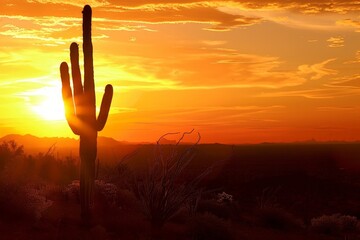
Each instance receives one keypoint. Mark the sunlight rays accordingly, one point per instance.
(49, 105)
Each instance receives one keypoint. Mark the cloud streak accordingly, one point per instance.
(318, 70)
(336, 42)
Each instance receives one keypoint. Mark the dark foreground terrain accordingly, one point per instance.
(265, 191)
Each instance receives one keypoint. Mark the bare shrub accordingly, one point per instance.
(165, 189)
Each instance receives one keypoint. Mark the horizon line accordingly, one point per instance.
(307, 141)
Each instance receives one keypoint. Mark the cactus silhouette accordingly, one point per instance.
(80, 110)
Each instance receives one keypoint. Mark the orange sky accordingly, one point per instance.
(236, 71)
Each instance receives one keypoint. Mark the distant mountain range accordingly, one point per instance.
(63, 146)
(108, 148)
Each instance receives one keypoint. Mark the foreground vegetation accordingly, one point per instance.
(252, 192)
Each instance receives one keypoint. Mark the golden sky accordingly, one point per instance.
(235, 71)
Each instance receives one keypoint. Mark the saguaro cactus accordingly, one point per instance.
(80, 110)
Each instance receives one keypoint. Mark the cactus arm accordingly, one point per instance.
(76, 76)
(89, 85)
(68, 99)
(105, 107)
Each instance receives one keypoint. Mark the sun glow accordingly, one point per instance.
(50, 107)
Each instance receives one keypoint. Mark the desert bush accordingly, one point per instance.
(36, 203)
(42, 167)
(224, 198)
(72, 191)
(22, 202)
(278, 218)
(335, 224)
(8, 151)
(52, 169)
(208, 226)
(109, 191)
(164, 189)
(349, 224)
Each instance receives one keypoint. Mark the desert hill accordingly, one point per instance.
(107, 147)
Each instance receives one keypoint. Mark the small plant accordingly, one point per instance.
(192, 203)
(163, 190)
(268, 198)
(224, 198)
(335, 224)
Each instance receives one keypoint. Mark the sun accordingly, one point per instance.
(50, 106)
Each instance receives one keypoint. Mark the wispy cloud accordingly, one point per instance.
(320, 93)
(336, 109)
(213, 43)
(318, 70)
(144, 12)
(79, 3)
(201, 12)
(49, 31)
(336, 42)
(349, 23)
(224, 66)
(219, 15)
(199, 116)
(352, 81)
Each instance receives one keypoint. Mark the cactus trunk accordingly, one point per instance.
(80, 111)
(88, 149)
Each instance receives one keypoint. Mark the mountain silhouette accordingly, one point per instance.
(108, 147)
